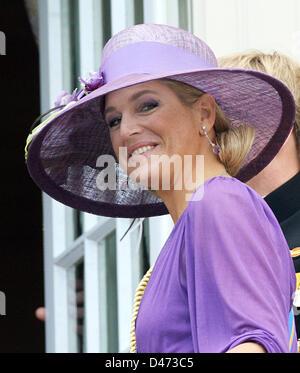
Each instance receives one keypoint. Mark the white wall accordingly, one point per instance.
(231, 26)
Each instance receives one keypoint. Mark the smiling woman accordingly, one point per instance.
(226, 263)
(159, 123)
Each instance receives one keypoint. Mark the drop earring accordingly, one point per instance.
(216, 148)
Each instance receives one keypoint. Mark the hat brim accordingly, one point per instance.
(62, 156)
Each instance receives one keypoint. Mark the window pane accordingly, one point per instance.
(112, 306)
(138, 11)
(78, 223)
(184, 14)
(74, 225)
(145, 247)
(76, 308)
(140, 255)
(106, 20)
(108, 294)
(70, 44)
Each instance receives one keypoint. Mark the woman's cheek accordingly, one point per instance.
(115, 145)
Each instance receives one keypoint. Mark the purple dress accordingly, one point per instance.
(224, 276)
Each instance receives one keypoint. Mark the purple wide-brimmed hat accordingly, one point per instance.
(62, 152)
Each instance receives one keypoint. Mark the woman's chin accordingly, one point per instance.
(152, 184)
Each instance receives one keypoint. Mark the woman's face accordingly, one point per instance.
(149, 119)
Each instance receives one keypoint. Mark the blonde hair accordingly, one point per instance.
(235, 143)
(276, 64)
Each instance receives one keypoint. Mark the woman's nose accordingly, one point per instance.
(129, 126)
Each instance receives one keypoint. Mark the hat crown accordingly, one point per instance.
(163, 34)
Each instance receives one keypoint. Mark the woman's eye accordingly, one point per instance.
(113, 122)
(147, 106)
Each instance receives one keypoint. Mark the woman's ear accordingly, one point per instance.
(206, 111)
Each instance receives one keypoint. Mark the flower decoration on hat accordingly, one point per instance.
(64, 100)
(94, 81)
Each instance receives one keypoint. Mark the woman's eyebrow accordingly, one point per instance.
(132, 98)
(141, 93)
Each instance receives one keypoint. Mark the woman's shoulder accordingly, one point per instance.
(230, 208)
(224, 196)
(220, 188)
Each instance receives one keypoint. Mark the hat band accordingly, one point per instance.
(150, 58)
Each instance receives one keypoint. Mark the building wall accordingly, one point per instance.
(232, 26)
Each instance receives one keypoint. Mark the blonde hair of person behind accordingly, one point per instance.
(234, 142)
(276, 64)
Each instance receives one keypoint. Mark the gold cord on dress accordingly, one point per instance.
(136, 305)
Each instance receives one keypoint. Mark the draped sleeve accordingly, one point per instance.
(238, 273)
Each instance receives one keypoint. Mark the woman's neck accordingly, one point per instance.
(176, 201)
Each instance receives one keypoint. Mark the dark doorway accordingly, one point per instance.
(21, 250)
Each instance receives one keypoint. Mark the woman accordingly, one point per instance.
(160, 94)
